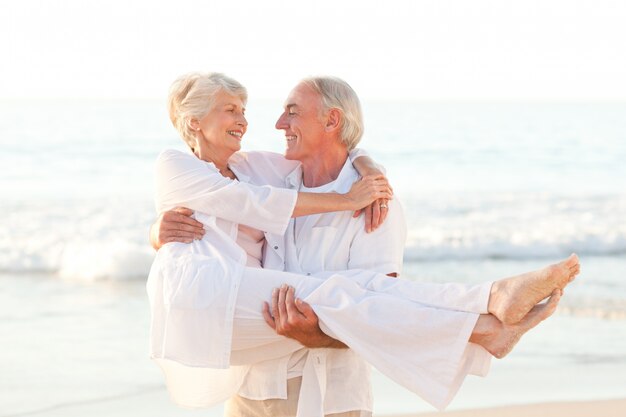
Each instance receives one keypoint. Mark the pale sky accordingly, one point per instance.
(418, 50)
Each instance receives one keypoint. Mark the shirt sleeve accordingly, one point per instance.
(358, 152)
(186, 181)
(383, 249)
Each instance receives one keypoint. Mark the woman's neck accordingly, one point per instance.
(220, 161)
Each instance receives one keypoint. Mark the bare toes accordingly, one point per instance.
(572, 260)
(542, 311)
(553, 301)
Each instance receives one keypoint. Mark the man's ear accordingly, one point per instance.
(333, 119)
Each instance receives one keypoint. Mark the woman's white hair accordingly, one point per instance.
(191, 97)
(337, 94)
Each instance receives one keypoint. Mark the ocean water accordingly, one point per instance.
(489, 190)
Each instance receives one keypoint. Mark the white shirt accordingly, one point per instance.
(328, 242)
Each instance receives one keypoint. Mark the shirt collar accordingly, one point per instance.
(233, 163)
(347, 176)
(294, 178)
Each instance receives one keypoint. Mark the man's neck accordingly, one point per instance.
(323, 167)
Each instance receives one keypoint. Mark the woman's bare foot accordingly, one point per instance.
(512, 298)
(500, 338)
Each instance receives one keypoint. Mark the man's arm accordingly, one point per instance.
(175, 225)
(293, 318)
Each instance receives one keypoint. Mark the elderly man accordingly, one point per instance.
(322, 121)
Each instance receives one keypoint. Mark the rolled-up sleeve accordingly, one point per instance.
(184, 180)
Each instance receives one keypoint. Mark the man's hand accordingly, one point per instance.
(293, 318)
(175, 226)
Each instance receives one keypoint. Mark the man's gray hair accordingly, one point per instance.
(337, 94)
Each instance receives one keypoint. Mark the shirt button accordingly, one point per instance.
(308, 273)
(275, 247)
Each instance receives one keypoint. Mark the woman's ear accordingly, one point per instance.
(333, 119)
(194, 124)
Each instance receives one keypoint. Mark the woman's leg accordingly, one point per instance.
(509, 300)
(423, 348)
(254, 340)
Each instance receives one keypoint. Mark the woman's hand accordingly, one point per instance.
(367, 190)
(375, 214)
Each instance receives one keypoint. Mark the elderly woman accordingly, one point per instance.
(206, 296)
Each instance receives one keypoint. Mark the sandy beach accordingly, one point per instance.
(606, 408)
(155, 403)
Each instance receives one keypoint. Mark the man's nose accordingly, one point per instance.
(280, 123)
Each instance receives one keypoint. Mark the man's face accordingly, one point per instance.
(302, 122)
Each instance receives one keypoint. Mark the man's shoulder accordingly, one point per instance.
(381, 250)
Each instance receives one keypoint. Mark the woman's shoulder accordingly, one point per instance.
(169, 154)
(174, 159)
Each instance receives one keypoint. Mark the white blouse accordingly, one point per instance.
(251, 241)
(185, 308)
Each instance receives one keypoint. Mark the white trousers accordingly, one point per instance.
(415, 333)
(351, 304)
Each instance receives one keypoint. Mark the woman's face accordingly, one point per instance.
(222, 128)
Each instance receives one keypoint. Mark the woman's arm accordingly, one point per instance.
(271, 168)
(375, 213)
(364, 164)
(182, 180)
(185, 181)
